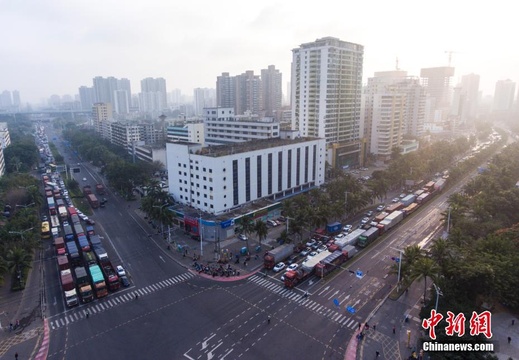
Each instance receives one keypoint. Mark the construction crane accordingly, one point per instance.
(450, 52)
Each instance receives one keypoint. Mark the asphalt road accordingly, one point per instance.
(180, 315)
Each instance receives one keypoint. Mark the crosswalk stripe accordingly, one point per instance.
(350, 322)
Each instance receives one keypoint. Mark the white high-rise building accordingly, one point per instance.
(203, 98)
(326, 96)
(504, 96)
(153, 97)
(121, 106)
(102, 115)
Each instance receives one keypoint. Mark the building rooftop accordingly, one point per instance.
(236, 148)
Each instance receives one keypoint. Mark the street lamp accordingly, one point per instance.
(288, 218)
(21, 233)
(24, 206)
(200, 232)
(438, 294)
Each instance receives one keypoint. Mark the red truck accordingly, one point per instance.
(110, 275)
(59, 245)
(87, 189)
(333, 261)
(100, 189)
(92, 199)
(63, 263)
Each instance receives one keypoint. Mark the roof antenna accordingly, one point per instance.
(397, 68)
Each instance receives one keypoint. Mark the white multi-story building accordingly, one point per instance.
(271, 80)
(125, 134)
(202, 98)
(394, 105)
(326, 96)
(218, 179)
(5, 137)
(223, 127)
(436, 81)
(188, 132)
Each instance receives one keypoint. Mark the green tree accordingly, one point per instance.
(424, 268)
(18, 259)
(261, 230)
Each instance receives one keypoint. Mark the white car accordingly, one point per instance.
(365, 220)
(347, 228)
(381, 207)
(84, 179)
(293, 267)
(120, 270)
(279, 266)
(312, 254)
(395, 200)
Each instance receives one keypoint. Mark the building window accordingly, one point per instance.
(289, 168)
(314, 165)
(247, 179)
(280, 171)
(258, 176)
(306, 163)
(298, 166)
(235, 182)
(269, 175)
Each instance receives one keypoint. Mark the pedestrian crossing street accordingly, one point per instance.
(114, 300)
(334, 314)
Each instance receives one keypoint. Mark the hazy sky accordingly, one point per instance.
(54, 46)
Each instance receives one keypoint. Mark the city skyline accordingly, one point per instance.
(54, 48)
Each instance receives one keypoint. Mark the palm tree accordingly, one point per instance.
(261, 230)
(425, 268)
(247, 228)
(441, 253)
(17, 260)
(4, 269)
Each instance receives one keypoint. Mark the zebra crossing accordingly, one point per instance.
(115, 300)
(295, 296)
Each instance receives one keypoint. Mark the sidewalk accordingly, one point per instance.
(23, 308)
(394, 338)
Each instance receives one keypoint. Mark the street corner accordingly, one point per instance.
(225, 275)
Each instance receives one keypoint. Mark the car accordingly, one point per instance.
(120, 270)
(84, 179)
(364, 220)
(321, 248)
(44, 218)
(381, 207)
(292, 259)
(90, 221)
(125, 281)
(402, 195)
(306, 251)
(339, 236)
(284, 276)
(369, 213)
(272, 223)
(373, 223)
(243, 237)
(347, 228)
(312, 254)
(395, 200)
(293, 266)
(65, 223)
(311, 242)
(279, 266)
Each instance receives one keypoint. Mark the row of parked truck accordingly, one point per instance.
(344, 246)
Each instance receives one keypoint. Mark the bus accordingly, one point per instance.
(45, 230)
(54, 221)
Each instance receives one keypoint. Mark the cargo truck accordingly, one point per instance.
(409, 210)
(95, 240)
(83, 242)
(368, 236)
(394, 207)
(381, 216)
(94, 203)
(75, 219)
(98, 281)
(294, 277)
(69, 233)
(334, 260)
(78, 229)
(73, 253)
(111, 277)
(423, 198)
(101, 253)
(83, 284)
(272, 257)
(89, 258)
(390, 221)
(100, 189)
(69, 288)
(408, 200)
(59, 245)
(63, 263)
(350, 239)
(62, 211)
(333, 228)
(439, 185)
(87, 189)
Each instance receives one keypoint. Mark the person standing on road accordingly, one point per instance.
(268, 322)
